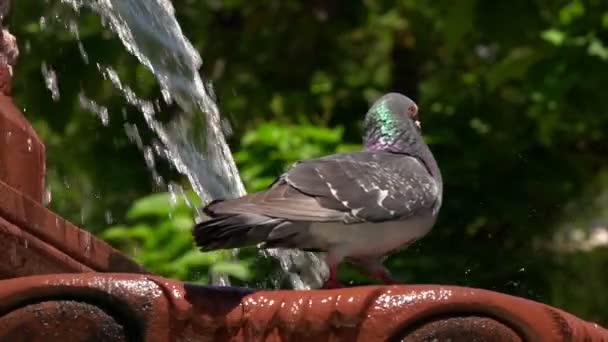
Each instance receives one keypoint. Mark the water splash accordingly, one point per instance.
(193, 141)
(48, 195)
(304, 270)
(73, 28)
(108, 217)
(50, 80)
(149, 31)
(95, 108)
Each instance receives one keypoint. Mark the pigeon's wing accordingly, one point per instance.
(280, 201)
(353, 187)
(368, 186)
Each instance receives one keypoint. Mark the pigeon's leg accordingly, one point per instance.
(376, 270)
(332, 260)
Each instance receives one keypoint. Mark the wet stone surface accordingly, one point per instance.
(139, 307)
(459, 329)
(64, 320)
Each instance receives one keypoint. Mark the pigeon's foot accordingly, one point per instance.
(332, 282)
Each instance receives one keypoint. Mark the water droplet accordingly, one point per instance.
(66, 183)
(149, 157)
(220, 279)
(83, 53)
(92, 106)
(72, 26)
(159, 181)
(166, 96)
(512, 283)
(174, 189)
(108, 217)
(29, 144)
(47, 196)
(87, 244)
(50, 80)
(133, 135)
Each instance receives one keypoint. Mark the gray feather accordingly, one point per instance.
(227, 231)
(368, 186)
(280, 201)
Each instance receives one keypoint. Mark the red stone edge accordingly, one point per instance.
(24, 254)
(11, 112)
(171, 310)
(47, 227)
(20, 147)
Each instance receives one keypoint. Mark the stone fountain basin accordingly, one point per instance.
(129, 307)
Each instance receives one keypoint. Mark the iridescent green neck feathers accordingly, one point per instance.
(390, 124)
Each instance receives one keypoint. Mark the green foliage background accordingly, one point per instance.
(511, 95)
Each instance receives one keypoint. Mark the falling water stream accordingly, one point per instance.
(193, 141)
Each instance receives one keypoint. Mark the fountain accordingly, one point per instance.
(202, 155)
(59, 282)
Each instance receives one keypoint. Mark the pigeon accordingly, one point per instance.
(358, 207)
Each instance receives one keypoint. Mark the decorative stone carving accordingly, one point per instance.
(139, 307)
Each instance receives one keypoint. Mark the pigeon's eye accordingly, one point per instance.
(412, 111)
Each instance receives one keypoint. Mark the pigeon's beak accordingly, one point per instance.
(418, 124)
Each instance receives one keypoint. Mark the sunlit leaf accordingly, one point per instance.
(162, 204)
(553, 36)
(574, 10)
(182, 222)
(157, 204)
(598, 49)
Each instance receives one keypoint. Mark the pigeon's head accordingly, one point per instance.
(392, 122)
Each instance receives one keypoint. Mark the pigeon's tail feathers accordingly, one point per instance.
(233, 231)
(281, 201)
(227, 231)
(209, 209)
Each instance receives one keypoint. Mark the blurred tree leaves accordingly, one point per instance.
(510, 94)
(280, 145)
